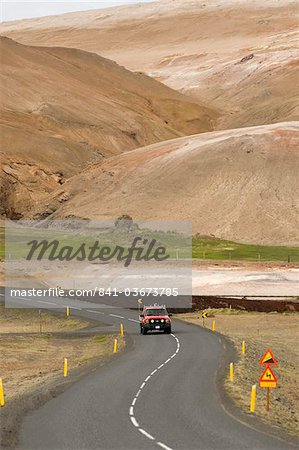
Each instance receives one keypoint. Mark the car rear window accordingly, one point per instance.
(156, 312)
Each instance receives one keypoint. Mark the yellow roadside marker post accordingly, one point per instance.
(2, 399)
(115, 346)
(252, 399)
(214, 325)
(67, 311)
(65, 367)
(121, 329)
(243, 347)
(231, 372)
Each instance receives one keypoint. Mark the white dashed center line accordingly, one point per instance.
(96, 312)
(131, 410)
(134, 422)
(149, 436)
(163, 446)
(46, 303)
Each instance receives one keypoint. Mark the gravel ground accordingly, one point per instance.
(30, 359)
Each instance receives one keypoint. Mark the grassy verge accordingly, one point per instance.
(280, 332)
(31, 360)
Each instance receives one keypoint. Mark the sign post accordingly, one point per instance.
(268, 378)
(204, 315)
(139, 304)
(268, 400)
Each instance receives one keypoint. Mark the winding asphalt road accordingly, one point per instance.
(160, 393)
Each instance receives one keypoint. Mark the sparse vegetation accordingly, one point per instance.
(26, 320)
(29, 358)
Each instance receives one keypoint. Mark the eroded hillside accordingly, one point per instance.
(237, 184)
(62, 109)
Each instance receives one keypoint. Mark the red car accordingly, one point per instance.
(155, 318)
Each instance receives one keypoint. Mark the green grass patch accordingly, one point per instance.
(219, 249)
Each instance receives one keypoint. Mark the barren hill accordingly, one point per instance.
(237, 184)
(65, 108)
(239, 56)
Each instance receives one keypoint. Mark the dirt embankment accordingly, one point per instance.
(246, 304)
(280, 332)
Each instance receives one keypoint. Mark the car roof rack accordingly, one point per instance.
(156, 305)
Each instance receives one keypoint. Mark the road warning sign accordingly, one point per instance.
(204, 315)
(268, 379)
(268, 359)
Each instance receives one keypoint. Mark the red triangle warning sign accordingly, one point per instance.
(268, 378)
(268, 359)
